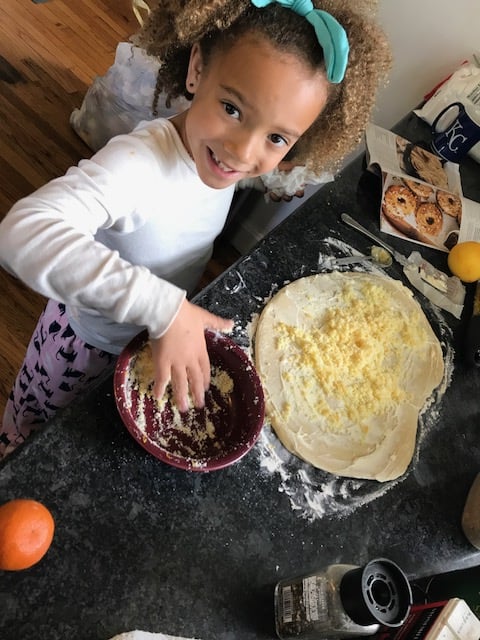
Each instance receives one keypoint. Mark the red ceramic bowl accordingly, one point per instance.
(200, 439)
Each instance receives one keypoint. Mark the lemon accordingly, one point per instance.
(464, 261)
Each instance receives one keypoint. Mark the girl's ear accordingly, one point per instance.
(195, 67)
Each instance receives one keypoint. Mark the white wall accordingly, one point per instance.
(429, 40)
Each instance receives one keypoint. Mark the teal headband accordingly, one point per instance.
(330, 34)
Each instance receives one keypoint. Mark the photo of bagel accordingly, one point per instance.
(399, 201)
(450, 204)
(420, 189)
(429, 218)
(420, 212)
(420, 163)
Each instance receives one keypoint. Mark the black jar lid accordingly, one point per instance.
(379, 592)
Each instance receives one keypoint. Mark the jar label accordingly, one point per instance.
(314, 599)
(301, 606)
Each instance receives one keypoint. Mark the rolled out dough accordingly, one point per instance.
(347, 361)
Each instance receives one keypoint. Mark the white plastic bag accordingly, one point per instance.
(462, 86)
(116, 102)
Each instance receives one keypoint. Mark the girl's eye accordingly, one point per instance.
(231, 110)
(278, 140)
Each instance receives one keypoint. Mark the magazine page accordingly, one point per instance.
(394, 154)
(470, 226)
(422, 197)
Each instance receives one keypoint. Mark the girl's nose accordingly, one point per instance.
(242, 148)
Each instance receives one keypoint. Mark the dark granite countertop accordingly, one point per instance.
(141, 545)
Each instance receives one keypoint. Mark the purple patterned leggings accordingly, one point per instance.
(58, 367)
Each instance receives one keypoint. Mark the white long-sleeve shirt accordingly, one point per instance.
(121, 238)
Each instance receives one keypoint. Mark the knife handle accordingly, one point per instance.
(472, 341)
(356, 225)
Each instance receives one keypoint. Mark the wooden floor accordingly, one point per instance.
(49, 54)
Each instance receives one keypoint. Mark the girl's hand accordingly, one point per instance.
(180, 355)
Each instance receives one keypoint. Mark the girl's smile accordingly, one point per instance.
(221, 167)
(251, 104)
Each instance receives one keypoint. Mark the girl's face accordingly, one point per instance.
(251, 104)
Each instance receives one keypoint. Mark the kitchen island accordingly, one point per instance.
(142, 545)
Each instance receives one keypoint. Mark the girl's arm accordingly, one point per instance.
(46, 240)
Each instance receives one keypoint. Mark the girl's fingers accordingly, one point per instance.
(194, 381)
(180, 390)
(217, 323)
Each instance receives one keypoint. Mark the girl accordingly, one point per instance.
(119, 242)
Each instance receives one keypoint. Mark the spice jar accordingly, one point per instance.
(342, 600)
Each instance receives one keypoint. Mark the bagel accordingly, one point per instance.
(421, 190)
(399, 201)
(450, 204)
(429, 218)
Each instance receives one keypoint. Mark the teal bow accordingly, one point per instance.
(330, 34)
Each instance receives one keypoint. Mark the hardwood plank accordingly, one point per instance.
(19, 313)
(49, 31)
(8, 73)
(25, 38)
(14, 184)
(104, 37)
(34, 149)
(117, 15)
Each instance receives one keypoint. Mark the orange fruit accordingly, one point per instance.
(26, 533)
(464, 261)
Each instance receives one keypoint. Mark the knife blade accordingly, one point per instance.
(472, 335)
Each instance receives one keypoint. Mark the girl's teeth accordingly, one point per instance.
(222, 166)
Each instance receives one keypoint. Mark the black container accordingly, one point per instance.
(342, 601)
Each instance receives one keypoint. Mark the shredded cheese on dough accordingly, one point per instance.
(355, 355)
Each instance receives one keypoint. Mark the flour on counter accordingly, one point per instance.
(314, 494)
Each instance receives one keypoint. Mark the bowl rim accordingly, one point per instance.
(214, 340)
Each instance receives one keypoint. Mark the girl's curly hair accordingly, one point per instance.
(173, 26)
